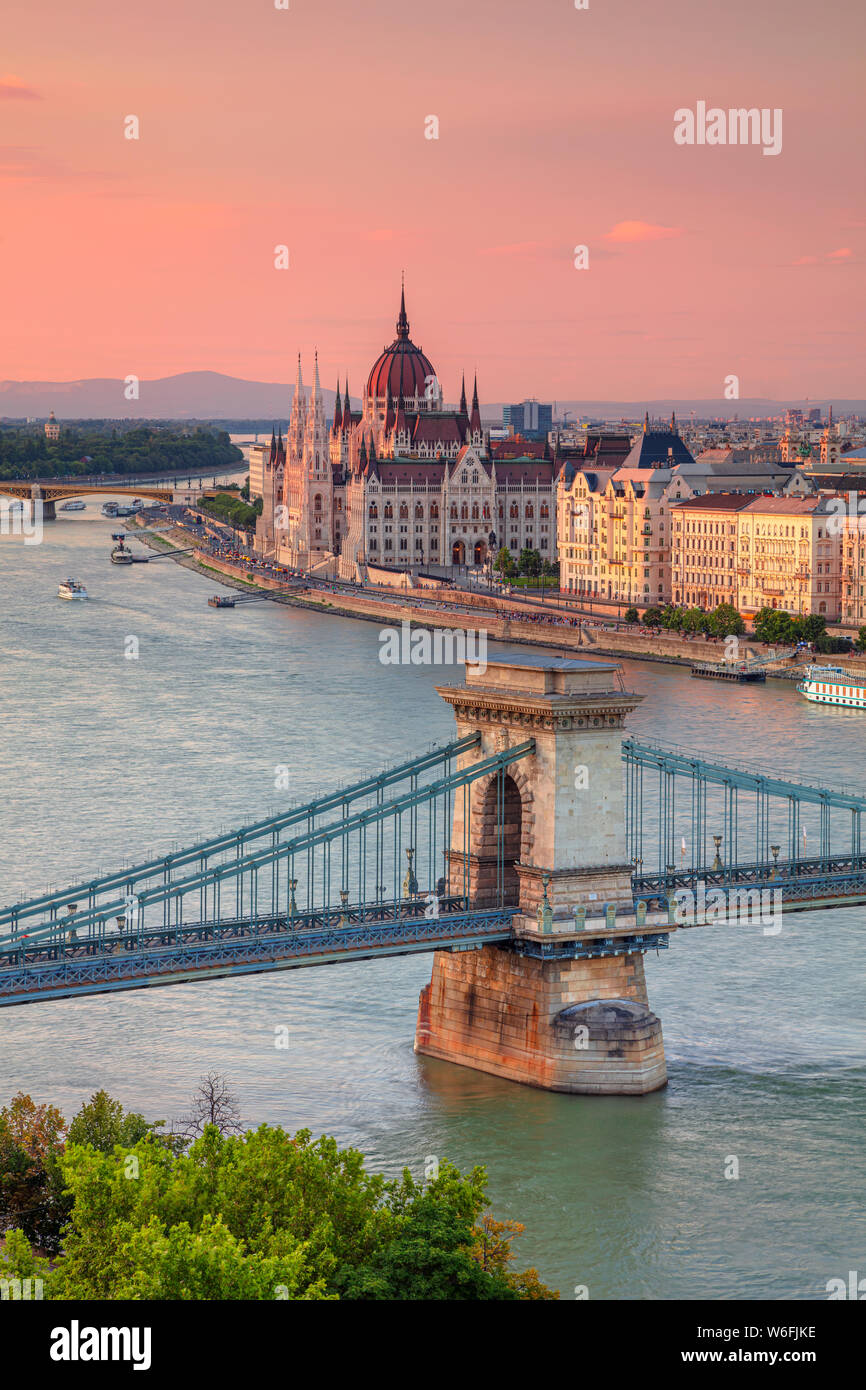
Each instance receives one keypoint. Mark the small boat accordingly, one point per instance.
(221, 601)
(739, 671)
(73, 506)
(70, 588)
(833, 685)
(109, 509)
(124, 510)
(120, 555)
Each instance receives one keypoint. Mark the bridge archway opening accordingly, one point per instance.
(488, 873)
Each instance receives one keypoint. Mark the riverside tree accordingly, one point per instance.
(264, 1215)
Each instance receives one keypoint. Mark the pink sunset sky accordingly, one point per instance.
(306, 127)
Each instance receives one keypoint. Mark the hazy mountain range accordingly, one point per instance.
(213, 396)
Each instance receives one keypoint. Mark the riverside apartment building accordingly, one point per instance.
(757, 552)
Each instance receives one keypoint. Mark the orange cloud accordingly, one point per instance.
(13, 89)
(842, 254)
(641, 231)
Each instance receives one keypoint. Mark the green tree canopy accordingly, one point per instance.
(262, 1215)
(103, 1122)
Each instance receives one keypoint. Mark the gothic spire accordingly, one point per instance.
(463, 394)
(475, 417)
(338, 414)
(402, 320)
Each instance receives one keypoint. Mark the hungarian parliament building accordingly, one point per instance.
(406, 483)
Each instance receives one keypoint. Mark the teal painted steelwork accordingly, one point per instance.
(682, 800)
(241, 871)
(167, 864)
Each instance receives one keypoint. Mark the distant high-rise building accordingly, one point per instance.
(529, 418)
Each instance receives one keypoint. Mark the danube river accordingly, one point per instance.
(106, 757)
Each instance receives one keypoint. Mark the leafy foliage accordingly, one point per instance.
(259, 1215)
(775, 626)
(98, 447)
(31, 1185)
(232, 509)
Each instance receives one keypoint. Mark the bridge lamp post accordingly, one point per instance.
(717, 862)
(774, 850)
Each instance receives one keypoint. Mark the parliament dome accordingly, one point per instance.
(402, 370)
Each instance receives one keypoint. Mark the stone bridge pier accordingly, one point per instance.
(564, 1005)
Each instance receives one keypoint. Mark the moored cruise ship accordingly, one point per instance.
(833, 685)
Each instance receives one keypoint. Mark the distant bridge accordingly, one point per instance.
(50, 492)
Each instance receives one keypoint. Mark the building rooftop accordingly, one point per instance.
(723, 502)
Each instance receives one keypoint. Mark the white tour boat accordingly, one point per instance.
(833, 685)
(73, 507)
(70, 588)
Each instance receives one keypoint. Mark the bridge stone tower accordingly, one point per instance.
(560, 1006)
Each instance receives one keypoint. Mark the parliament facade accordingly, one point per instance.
(407, 482)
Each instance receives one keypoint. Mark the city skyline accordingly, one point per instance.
(307, 129)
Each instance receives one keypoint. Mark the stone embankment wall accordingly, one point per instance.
(506, 622)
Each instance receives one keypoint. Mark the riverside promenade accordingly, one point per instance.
(503, 618)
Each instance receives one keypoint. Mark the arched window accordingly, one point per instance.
(464, 512)
(529, 511)
(419, 512)
(317, 502)
(475, 512)
(434, 511)
(389, 511)
(544, 510)
(374, 511)
(404, 512)
(513, 510)
(453, 511)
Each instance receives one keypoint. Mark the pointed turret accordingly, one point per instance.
(402, 320)
(475, 417)
(463, 394)
(338, 411)
(273, 454)
(347, 408)
(298, 417)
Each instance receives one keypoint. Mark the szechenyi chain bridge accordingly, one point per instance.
(538, 855)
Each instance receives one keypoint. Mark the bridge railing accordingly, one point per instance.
(165, 868)
(686, 812)
(391, 849)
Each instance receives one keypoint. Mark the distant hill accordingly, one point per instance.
(214, 396)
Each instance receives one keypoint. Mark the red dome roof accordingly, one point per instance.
(402, 370)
